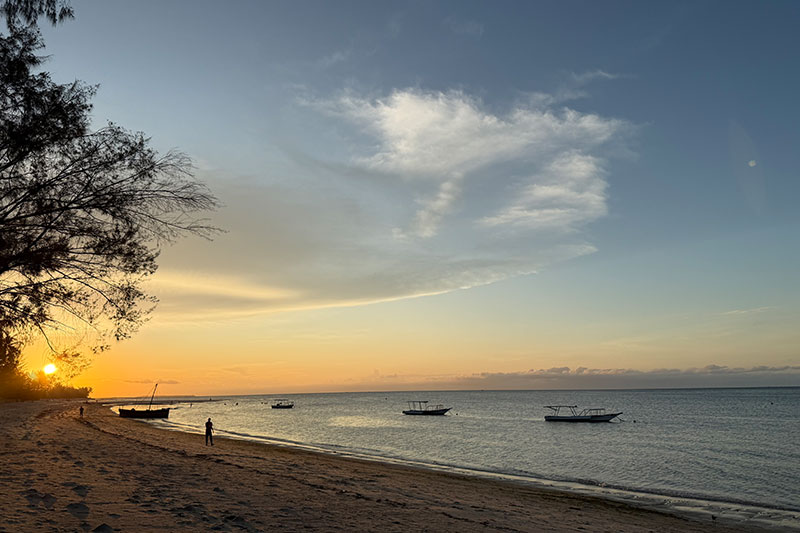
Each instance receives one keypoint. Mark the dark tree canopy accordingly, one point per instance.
(29, 11)
(10, 355)
(82, 213)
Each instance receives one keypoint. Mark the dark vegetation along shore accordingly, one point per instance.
(62, 472)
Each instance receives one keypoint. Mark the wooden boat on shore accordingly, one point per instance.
(596, 414)
(145, 413)
(283, 403)
(421, 407)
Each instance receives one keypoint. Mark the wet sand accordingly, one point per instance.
(59, 472)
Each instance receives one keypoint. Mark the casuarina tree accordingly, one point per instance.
(83, 211)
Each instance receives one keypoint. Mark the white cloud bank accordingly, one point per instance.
(434, 192)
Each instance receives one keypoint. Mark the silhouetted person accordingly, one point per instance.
(81, 411)
(209, 431)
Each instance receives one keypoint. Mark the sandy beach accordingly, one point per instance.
(61, 472)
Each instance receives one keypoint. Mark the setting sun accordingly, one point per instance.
(49, 369)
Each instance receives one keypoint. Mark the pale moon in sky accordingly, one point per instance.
(752, 162)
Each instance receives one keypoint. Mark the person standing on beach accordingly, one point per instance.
(209, 431)
(81, 411)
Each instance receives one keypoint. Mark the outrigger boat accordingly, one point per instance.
(596, 414)
(283, 403)
(421, 407)
(146, 413)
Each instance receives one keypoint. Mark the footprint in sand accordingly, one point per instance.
(78, 510)
(81, 490)
(237, 521)
(35, 497)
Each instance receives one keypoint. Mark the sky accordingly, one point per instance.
(461, 195)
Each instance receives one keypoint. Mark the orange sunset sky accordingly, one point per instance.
(445, 195)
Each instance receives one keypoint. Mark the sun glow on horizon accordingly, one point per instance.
(49, 369)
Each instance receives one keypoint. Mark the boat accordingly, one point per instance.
(596, 414)
(421, 407)
(283, 403)
(145, 413)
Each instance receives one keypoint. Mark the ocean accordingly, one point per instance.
(730, 451)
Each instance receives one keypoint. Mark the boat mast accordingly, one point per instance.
(153, 396)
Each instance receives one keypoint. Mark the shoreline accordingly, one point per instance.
(685, 505)
(67, 472)
(697, 507)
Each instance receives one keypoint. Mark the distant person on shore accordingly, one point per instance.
(81, 411)
(209, 432)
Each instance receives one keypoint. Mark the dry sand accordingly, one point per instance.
(59, 472)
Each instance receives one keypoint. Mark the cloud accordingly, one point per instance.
(407, 194)
(571, 191)
(740, 312)
(185, 294)
(447, 138)
(463, 26)
(572, 87)
(584, 78)
(336, 57)
(566, 378)
(582, 377)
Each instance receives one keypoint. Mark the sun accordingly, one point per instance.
(49, 369)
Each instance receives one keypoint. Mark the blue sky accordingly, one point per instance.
(612, 173)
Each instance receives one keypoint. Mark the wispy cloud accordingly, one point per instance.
(461, 26)
(407, 194)
(336, 57)
(571, 191)
(573, 86)
(752, 311)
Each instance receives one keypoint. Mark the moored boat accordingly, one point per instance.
(163, 412)
(283, 403)
(595, 414)
(144, 413)
(421, 407)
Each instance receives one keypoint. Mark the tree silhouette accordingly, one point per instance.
(83, 213)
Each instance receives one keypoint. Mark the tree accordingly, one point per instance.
(29, 11)
(83, 213)
(9, 357)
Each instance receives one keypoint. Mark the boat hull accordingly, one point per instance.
(427, 412)
(144, 413)
(590, 418)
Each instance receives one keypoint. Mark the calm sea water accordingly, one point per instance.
(731, 446)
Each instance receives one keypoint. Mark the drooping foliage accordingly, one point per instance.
(83, 213)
